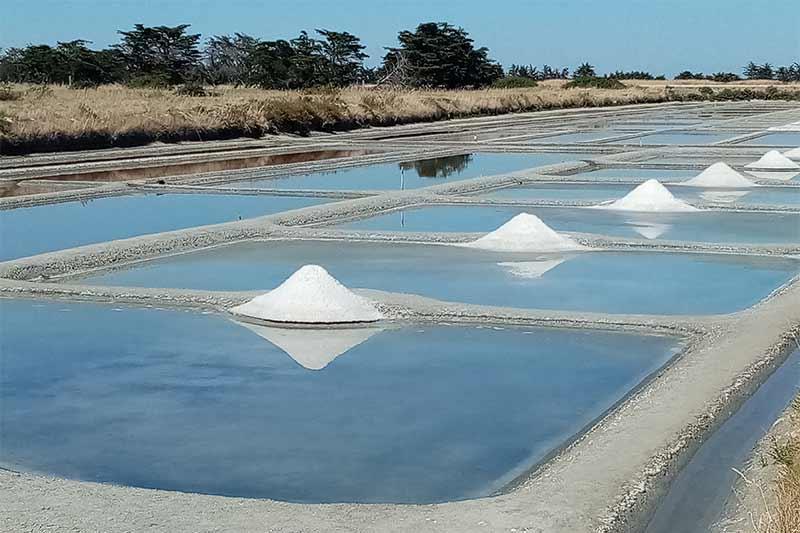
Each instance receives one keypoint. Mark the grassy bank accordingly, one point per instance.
(785, 517)
(53, 118)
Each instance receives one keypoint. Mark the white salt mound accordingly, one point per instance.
(650, 196)
(719, 175)
(313, 349)
(310, 296)
(524, 233)
(773, 160)
(793, 154)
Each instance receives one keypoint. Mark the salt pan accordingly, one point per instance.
(719, 175)
(524, 233)
(310, 296)
(650, 196)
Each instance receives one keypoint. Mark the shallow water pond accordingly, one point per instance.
(701, 226)
(778, 138)
(677, 138)
(634, 174)
(579, 137)
(415, 174)
(233, 163)
(34, 230)
(776, 196)
(612, 282)
(191, 402)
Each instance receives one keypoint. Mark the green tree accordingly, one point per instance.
(69, 63)
(438, 54)
(33, 64)
(229, 59)
(166, 52)
(272, 64)
(344, 57)
(585, 70)
(308, 64)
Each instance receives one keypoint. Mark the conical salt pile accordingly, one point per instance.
(314, 349)
(793, 154)
(525, 233)
(650, 196)
(773, 160)
(719, 175)
(310, 296)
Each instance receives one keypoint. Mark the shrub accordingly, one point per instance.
(5, 123)
(39, 91)
(597, 83)
(631, 75)
(84, 84)
(7, 94)
(192, 88)
(724, 77)
(149, 81)
(513, 82)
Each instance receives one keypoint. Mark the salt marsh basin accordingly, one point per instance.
(142, 396)
(603, 192)
(69, 224)
(702, 226)
(413, 174)
(592, 281)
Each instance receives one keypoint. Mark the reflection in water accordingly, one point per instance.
(177, 169)
(649, 230)
(313, 349)
(781, 175)
(532, 269)
(439, 167)
(723, 197)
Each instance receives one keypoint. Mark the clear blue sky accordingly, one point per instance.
(661, 36)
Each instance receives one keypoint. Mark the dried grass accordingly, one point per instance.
(780, 504)
(56, 117)
(786, 515)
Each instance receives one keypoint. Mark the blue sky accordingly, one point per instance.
(661, 36)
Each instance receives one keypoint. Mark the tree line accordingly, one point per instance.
(435, 54)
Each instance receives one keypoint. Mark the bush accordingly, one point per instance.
(514, 82)
(7, 94)
(39, 91)
(5, 123)
(149, 81)
(84, 84)
(597, 83)
(192, 88)
(724, 77)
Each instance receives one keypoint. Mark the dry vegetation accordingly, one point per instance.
(774, 506)
(785, 516)
(49, 118)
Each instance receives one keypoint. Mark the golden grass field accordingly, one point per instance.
(785, 517)
(37, 118)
